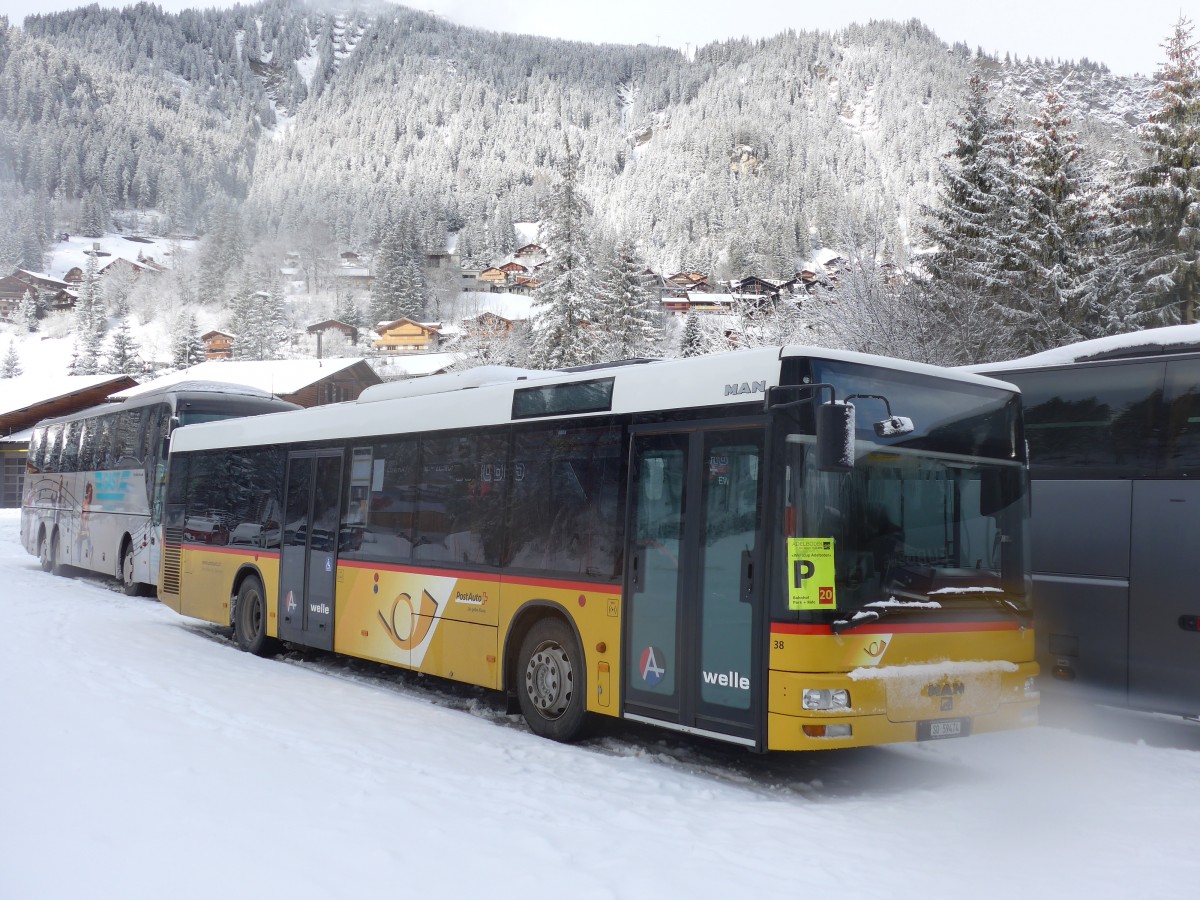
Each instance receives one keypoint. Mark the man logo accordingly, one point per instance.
(945, 691)
(746, 387)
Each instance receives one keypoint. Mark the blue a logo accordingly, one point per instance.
(652, 672)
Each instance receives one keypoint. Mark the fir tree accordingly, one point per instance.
(123, 355)
(567, 329)
(632, 319)
(11, 366)
(186, 346)
(27, 313)
(1164, 196)
(691, 341)
(390, 295)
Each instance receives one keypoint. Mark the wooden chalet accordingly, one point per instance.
(530, 250)
(353, 276)
(26, 400)
(338, 386)
(513, 269)
(407, 336)
(488, 324)
(689, 281)
(123, 266)
(218, 345)
(348, 331)
(494, 276)
(756, 286)
(14, 287)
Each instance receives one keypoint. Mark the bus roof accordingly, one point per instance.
(190, 390)
(1136, 344)
(485, 396)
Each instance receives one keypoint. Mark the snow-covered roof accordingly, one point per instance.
(25, 391)
(1152, 340)
(411, 365)
(18, 437)
(275, 376)
(66, 255)
(514, 307)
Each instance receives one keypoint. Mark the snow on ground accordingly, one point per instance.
(144, 756)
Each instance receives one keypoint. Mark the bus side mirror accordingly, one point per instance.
(835, 437)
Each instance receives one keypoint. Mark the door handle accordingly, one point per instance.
(746, 587)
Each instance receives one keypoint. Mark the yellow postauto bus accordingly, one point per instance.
(784, 548)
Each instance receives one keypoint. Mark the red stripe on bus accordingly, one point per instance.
(879, 628)
(222, 548)
(584, 586)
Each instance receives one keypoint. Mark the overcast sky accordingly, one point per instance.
(1126, 36)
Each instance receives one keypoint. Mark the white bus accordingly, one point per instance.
(93, 483)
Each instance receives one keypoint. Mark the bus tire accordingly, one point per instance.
(551, 681)
(129, 584)
(250, 619)
(56, 567)
(44, 558)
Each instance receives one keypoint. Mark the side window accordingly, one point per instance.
(69, 460)
(127, 442)
(381, 512)
(53, 449)
(1093, 420)
(1181, 439)
(232, 497)
(103, 458)
(460, 499)
(566, 500)
(87, 445)
(35, 460)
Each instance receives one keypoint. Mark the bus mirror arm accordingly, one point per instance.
(834, 424)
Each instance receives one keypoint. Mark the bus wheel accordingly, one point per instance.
(250, 619)
(44, 558)
(56, 567)
(551, 681)
(131, 586)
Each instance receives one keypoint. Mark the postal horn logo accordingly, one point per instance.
(408, 624)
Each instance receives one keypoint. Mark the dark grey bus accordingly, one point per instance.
(1113, 429)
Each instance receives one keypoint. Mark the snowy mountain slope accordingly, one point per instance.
(384, 111)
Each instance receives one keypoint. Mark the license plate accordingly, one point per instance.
(940, 729)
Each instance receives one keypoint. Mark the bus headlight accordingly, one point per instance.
(825, 700)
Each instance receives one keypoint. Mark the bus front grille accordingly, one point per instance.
(172, 557)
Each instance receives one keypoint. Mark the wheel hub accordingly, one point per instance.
(548, 680)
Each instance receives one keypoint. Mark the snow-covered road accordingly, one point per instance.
(142, 755)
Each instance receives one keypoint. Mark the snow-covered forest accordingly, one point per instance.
(981, 206)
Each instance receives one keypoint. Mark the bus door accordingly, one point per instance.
(308, 555)
(1164, 613)
(694, 582)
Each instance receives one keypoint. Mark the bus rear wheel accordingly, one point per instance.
(551, 681)
(44, 553)
(250, 619)
(131, 586)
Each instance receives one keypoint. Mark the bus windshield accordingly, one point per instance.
(912, 527)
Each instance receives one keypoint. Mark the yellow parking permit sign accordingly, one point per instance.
(811, 574)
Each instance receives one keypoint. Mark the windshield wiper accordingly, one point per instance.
(1009, 606)
(873, 613)
(861, 617)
